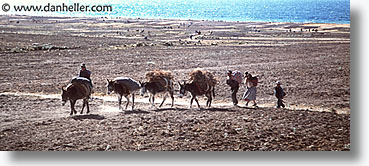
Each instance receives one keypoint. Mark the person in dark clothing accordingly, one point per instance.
(233, 83)
(85, 73)
(279, 94)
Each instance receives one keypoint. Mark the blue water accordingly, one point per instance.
(315, 11)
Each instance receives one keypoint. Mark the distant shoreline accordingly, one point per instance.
(165, 19)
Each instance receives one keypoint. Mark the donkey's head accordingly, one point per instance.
(143, 88)
(182, 89)
(109, 86)
(64, 96)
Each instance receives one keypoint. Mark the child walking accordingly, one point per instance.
(279, 94)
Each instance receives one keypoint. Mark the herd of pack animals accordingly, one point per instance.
(158, 82)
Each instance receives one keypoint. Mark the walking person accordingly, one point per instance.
(250, 93)
(234, 79)
(279, 94)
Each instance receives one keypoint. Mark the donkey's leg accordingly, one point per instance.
(83, 106)
(153, 100)
(71, 107)
(171, 96)
(133, 101)
(197, 102)
(208, 101)
(191, 101)
(164, 98)
(88, 107)
(150, 98)
(72, 110)
(119, 101)
(126, 96)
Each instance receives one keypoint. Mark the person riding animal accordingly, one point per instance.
(83, 72)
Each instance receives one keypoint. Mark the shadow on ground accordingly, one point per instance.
(170, 109)
(138, 111)
(90, 116)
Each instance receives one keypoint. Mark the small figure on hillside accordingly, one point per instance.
(234, 79)
(279, 94)
(250, 94)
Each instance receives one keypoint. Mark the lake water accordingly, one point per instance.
(316, 11)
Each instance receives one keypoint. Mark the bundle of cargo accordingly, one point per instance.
(159, 76)
(203, 76)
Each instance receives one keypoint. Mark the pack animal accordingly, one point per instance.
(156, 88)
(196, 90)
(78, 88)
(123, 86)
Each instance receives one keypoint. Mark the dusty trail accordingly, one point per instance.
(177, 101)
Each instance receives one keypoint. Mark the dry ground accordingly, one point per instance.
(39, 55)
